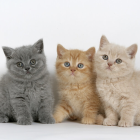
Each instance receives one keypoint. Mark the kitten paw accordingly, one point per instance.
(58, 118)
(86, 120)
(4, 119)
(109, 122)
(99, 119)
(47, 120)
(24, 121)
(124, 123)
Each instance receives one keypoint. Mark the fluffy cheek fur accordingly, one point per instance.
(14, 69)
(40, 64)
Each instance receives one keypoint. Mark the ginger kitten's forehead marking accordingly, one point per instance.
(77, 61)
(74, 58)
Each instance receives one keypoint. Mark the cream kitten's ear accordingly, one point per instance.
(60, 50)
(90, 53)
(132, 50)
(103, 41)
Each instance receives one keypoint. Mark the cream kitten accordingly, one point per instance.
(118, 83)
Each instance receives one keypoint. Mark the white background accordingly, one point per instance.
(74, 24)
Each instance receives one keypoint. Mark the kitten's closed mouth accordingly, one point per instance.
(28, 72)
(72, 74)
(108, 68)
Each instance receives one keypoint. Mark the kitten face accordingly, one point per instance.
(74, 65)
(113, 60)
(26, 62)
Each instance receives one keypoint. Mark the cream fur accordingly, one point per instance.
(119, 85)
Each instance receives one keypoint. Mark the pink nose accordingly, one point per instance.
(109, 64)
(73, 70)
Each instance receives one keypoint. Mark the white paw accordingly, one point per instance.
(109, 122)
(124, 123)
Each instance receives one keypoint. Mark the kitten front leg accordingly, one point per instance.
(111, 117)
(62, 112)
(45, 112)
(22, 111)
(89, 114)
(127, 116)
(4, 109)
(3, 118)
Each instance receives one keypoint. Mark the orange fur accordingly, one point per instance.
(78, 99)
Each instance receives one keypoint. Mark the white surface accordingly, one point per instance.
(74, 24)
(67, 131)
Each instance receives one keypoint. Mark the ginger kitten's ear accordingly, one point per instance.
(132, 50)
(60, 50)
(103, 41)
(90, 53)
(8, 52)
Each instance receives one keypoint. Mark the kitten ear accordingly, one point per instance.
(132, 50)
(39, 46)
(8, 52)
(103, 41)
(90, 53)
(60, 50)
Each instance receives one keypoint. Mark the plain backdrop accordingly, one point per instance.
(76, 24)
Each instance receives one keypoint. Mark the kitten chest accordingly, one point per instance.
(75, 100)
(112, 93)
(32, 93)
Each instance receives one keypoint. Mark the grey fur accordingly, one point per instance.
(26, 96)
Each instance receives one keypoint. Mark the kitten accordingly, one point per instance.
(78, 99)
(25, 90)
(118, 83)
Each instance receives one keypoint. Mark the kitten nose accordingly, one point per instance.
(27, 69)
(73, 70)
(110, 64)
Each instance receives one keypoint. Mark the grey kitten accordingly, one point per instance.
(25, 90)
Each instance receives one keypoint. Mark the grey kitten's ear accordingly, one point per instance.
(60, 51)
(39, 46)
(8, 52)
(103, 41)
(132, 50)
(90, 53)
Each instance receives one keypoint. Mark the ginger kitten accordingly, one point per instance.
(118, 83)
(78, 99)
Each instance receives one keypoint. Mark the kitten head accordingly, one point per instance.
(114, 61)
(74, 66)
(26, 62)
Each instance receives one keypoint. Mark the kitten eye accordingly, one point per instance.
(19, 64)
(118, 61)
(105, 57)
(67, 64)
(80, 65)
(33, 62)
